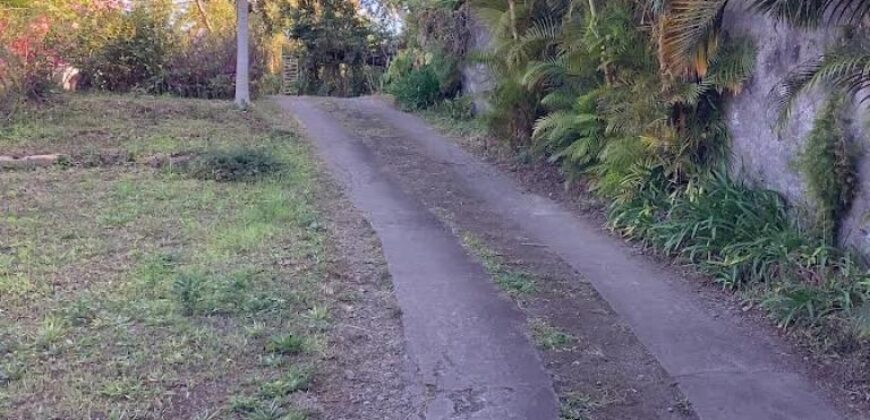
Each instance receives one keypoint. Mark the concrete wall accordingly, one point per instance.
(764, 156)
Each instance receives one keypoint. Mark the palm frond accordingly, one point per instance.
(554, 127)
(534, 40)
(490, 17)
(845, 68)
(549, 72)
(690, 34)
(689, 93)
(734, 63)
(807, 12)
(814, 12)
(559, 99)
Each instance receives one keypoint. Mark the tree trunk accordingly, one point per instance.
(204, 16)
(513, 16)
(243, 96)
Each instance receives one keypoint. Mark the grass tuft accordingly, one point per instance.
(296, 379)
(187, 289)
(288, 344)
(508, 279)
(549, 338)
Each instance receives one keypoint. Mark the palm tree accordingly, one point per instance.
(243, 96)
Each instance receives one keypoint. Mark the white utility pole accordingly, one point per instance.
(243, 94)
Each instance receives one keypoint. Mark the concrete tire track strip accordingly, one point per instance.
(467, 343)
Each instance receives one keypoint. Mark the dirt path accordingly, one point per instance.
(468, 343)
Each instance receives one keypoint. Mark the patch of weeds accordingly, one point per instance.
(187, 289)
(508, 279)
(233, 292)
(244, 237)
(296, 379)
(81, 312)
(243, 404)
(122, 389)
(16, 285)
(456, 118)
(51, 330)
(260, 302)
(207, 415)
(256, 329)
(576, 407)
(515, 282)
(12, 370)
(271, 360)
(745, 239)
(683, 406)
(318, 317)
(234, 165)
(550, 338)
(157, 268)
(288, 344)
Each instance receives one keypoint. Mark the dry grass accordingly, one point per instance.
(133, 292)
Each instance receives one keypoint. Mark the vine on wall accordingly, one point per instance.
(829, 168)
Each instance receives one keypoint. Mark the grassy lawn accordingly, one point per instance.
(132, 291)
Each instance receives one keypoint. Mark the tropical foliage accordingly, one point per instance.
(587, 90)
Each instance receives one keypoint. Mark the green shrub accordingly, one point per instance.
(419, 89)
(240, 164)
(134, 57)
(744, 238)
(446, 70)
(269, 84)
(841, 291)
(733, 232)
(399, 68)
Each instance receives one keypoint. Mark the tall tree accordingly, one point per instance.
(243, 95)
